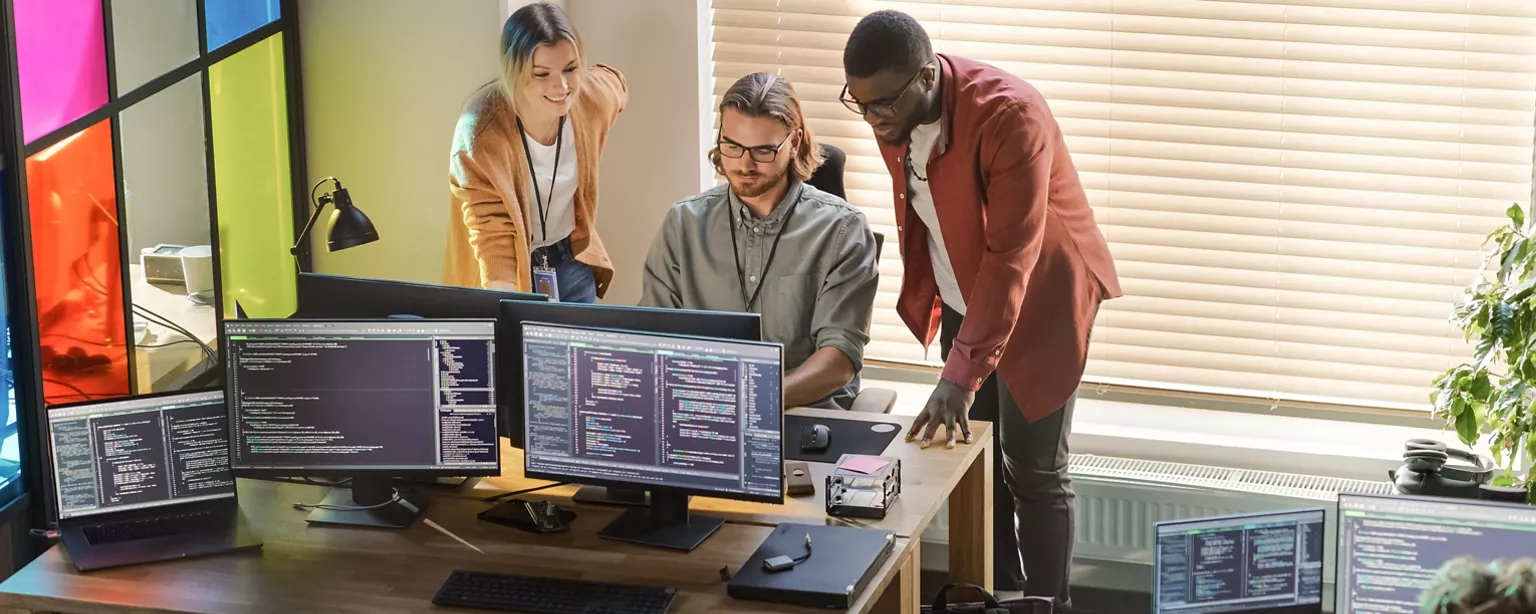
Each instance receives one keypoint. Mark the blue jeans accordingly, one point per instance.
(577, 284)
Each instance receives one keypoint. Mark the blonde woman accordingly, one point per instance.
(523, 170)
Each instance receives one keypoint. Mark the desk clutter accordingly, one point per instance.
(349, 405)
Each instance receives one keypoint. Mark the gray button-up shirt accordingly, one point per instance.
(820, 287)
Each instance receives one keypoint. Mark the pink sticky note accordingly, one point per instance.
(865, 464)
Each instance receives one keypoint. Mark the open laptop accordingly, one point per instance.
(144, 479)
(1270, 563)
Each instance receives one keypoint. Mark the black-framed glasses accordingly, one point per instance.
(762, 154)
(880, 108)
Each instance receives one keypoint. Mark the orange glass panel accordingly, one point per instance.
(77, 267)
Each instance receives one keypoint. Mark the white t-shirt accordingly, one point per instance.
(924, 138)
(560, 206)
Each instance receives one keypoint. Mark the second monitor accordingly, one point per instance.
(677, 416)
(365, 400)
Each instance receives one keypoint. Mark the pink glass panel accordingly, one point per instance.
(61, 59)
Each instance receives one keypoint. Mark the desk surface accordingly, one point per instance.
(928, 478)
(314, 569)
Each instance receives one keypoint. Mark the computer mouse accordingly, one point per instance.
(816, 438)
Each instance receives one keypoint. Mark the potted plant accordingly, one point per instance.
(1496, 391)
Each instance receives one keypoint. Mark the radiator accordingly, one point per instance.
(1119, 499)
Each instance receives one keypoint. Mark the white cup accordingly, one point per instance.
(197, 265)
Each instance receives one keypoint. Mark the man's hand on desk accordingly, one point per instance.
(948, 406)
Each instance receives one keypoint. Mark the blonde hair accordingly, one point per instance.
(764, 94)
(1467, 586)
(540, 23)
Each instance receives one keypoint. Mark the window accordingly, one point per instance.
(131, 113)
(1295, 192)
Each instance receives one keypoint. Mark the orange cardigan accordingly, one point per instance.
(488, 177)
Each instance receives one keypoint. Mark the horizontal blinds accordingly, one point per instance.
(1295, 192)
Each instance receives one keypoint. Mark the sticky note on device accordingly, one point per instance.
(866, 465)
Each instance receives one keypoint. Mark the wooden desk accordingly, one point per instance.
(962, 475)
(166, 354)
(314, 569)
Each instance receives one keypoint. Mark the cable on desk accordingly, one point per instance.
(78, 392)
(166, 322)
(347, 508)
(784, 563)
(495, 498)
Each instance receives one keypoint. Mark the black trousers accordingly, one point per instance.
(1032, 492)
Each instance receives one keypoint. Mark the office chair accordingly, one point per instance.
(829, 178)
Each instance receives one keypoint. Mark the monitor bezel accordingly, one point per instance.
(50, 478)
(732, 325)
(1157, 561)
(696, 492)
(1338, 543)
(344, 472)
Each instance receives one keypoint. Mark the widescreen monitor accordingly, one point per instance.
(1270, 563)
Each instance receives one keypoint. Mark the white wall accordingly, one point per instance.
(654, 156)
(384, 81)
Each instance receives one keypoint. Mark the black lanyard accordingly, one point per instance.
(542, 205)
(741, 276)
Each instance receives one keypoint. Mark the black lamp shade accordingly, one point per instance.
(349, 227)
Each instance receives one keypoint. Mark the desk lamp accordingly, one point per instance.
(348, 227)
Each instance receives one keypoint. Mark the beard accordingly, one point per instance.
(755, 184)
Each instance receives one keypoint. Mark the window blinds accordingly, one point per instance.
(1294, 191)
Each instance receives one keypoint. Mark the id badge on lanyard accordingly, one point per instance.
(546, 282)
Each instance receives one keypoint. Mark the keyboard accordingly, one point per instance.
(550, 595)
(149, 528)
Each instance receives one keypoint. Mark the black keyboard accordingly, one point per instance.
(149, 528)
(511, 593)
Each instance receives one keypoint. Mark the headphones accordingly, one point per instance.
(1426, 470)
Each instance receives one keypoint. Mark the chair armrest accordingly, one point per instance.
(874, 401)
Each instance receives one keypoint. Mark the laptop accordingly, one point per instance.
(1268, 563)
(144, 479)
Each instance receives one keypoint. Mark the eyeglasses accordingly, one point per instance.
(762, 154)
(879, 108)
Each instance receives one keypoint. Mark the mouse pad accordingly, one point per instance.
(848, 437)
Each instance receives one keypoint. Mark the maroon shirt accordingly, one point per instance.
(1030, 261)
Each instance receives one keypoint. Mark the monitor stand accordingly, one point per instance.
(612, 495)
(666, 523)
(374, 494)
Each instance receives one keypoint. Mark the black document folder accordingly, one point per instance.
(843, 560)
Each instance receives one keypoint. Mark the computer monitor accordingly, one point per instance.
(1269, 563)
(509, 334)
(368, 400)
(674, 415)
(1391, 546)
(139, 453)
(332, 296)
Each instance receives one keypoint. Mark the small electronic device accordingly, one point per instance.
(144, 479)
(1390, 547)
(1268, 563)
(816, 438)
(162, 264)
(492, 591)
(521, 515)
(798, 475)
(674, 415)
(863, 486)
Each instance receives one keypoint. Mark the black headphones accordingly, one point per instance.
(1426, 471)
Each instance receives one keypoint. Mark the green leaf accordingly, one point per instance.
(1505, 480)
(1516, 215)
(1466, 427)
(1479, 387)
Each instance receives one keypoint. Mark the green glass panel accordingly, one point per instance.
(248, 102)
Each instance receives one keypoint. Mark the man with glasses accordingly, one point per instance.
(768, 243)
(1000, 250)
